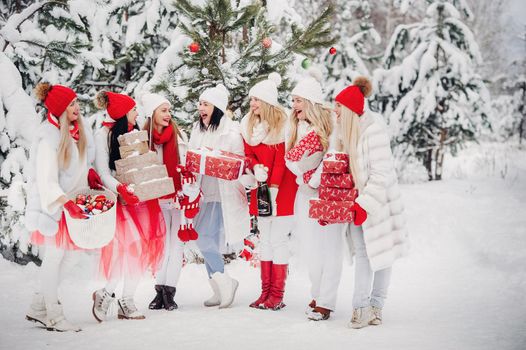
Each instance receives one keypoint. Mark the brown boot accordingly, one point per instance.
(266, 273)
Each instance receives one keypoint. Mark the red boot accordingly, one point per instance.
(266, 271)
(277, 287)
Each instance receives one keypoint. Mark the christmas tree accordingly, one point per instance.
(234, 45)
(429, 90)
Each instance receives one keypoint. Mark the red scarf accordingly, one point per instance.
(73, 130)
(110, 125)
(168, 140)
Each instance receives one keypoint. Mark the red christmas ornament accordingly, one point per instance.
(194, 47)
(267, 42)
(332, 50)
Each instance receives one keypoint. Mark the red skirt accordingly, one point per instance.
(61, 239)
(138, 244)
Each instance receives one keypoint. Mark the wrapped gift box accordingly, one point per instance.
(221, 164)
(331, 211)
(337, 194)
(135, 149)
(136, 162)
(134, 136)
(153, 188)
(309, 143)
(336, 163)
(136, 176)
(337, 180)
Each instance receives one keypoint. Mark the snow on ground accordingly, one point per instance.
(461, 288)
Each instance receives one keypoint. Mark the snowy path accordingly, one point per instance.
(462, 288)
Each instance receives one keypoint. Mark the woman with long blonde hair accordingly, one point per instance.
(378, 235)
(263, 131)
(58, 164)
(321, 246)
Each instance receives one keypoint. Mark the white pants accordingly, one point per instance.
(170, 270)
(274, 238)
(323, 250)
(364, 277)
(55, 264)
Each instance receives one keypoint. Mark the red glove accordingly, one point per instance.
(74, 210)
(127, 195)
(360, 215)
(94, 181)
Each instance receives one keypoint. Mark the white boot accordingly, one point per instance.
(101, 303)
(377, 316)
(37, 310)
(56, 321)
(227, 287)
(361, 317)
(128, 310)
(214, 300)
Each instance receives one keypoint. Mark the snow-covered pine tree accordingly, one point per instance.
(355, 47)
(429, 89)
(233, 45)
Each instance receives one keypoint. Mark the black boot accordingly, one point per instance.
(157, 302)
(168, 298)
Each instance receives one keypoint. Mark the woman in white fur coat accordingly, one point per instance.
(378, 235)
(224, 205)
(58, 164)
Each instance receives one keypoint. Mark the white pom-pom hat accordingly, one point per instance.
(267, 90)
(150, 102)
(218, 96)
(309, 88)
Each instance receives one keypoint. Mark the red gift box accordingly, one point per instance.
(336, 163)
(337, 180)
(338, 194)
(216, 163)
(331, 211)
(309, 143)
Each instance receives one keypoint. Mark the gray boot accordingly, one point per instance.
(56, 321)
(214, 300)
(101, 303)
(128, 310)
(37, 310)
(227, 287)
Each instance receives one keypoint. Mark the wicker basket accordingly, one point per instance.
(96, 231)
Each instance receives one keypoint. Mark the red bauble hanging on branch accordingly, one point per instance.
(332, 50)
(194, 47)
(266, 42)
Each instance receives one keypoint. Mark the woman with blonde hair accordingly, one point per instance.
(263, 131)
(378, 235)
(322, 245)
(58, 164)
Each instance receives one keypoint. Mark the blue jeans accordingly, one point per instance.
(209, 226)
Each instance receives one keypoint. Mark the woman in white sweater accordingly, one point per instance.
(378, 235)
(58, 164)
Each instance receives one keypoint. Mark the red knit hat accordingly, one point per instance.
(116, 104)
(353, 96)
(56, 98)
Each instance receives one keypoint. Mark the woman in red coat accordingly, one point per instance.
(264, 140)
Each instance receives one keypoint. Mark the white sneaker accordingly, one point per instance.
(101, 303)
(128, 310)
(377, 316)
(37, 310)
(227, 287)
(361, 317)
(56, 321)
(214, 300)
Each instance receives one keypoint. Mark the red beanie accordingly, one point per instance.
(353, 96)
(118, 105)
(56, 98)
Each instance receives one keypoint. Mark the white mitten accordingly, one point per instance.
(273, 196)
(248, 181)
(309, 161)
(261, 172)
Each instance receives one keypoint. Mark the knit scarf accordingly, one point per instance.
(73, 130)
(168, 139)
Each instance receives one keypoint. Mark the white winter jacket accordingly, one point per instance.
(234, 203)
(47, 182)
(384, 230)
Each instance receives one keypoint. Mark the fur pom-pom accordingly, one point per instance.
(316, 74)
(275, 77)
(41, 90)
(101, 100)
(365, 85)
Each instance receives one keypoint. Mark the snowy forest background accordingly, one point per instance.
(450, 75)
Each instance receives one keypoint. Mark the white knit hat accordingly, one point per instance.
(267, 90)
(310, 88)
(218, 96)
(151, 101)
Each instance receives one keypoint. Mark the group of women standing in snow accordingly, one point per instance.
(146, 234)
